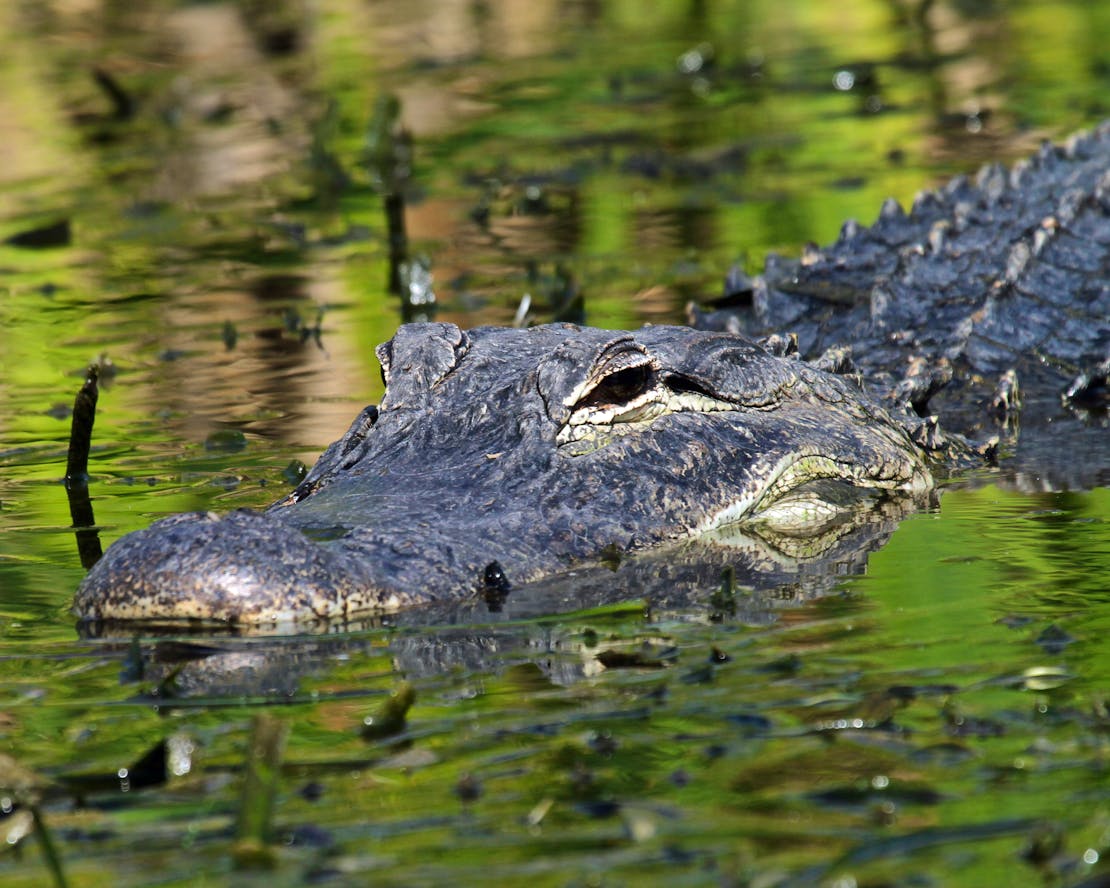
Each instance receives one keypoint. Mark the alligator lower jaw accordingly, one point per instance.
(794, 501)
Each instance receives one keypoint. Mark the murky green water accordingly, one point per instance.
(940, 720)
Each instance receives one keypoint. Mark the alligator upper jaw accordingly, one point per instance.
(306, 563)
(253, 570)
(244, 573)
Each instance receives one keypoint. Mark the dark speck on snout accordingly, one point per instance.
(494, 586)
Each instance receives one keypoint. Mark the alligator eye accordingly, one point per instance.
(619, 388)
(620, 393)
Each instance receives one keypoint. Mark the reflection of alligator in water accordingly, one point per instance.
(530, 452)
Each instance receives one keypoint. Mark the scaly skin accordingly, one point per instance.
(1010, 271)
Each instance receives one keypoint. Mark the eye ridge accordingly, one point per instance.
(619, 387)
(682, 384)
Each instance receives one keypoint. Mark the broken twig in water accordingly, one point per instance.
(77, 470)
(80, 432)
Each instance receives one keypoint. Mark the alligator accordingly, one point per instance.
(499, 457)
(502, 455)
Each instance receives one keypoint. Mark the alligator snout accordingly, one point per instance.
(238, 567)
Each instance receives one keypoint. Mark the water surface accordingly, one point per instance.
(215, 235)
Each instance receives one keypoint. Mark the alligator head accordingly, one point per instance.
(524, 451)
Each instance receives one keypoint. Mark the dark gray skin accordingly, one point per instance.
(537, 449)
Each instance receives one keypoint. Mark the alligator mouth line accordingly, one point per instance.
(790, 502)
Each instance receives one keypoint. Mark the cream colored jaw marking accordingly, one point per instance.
(790, 472)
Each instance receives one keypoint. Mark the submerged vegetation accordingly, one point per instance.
(226, 205)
